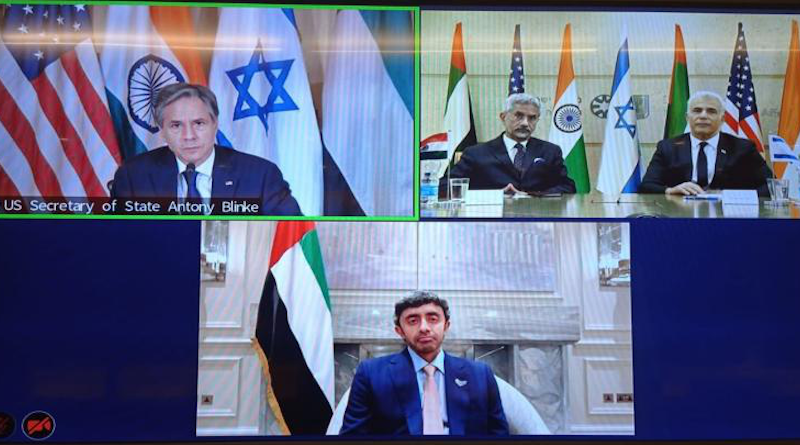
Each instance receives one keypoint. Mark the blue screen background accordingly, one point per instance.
(99, 327)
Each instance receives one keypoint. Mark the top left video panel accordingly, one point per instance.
(118, 111)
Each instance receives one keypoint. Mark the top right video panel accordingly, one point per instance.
(566, 114)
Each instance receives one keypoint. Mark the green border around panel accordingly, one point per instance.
(415, 148)
(417, 95)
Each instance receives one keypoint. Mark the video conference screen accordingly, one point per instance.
(116, 109)
(247, 222)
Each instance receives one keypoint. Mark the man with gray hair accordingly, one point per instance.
(515, 161)
(705, 159)
(193, 169)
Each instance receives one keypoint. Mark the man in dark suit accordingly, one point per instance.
(515, 161)
(192, 168)
(423, 390)
(705, 158)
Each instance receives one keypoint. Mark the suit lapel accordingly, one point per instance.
(223, 184)
(499, 152)
(684, 152)
(722, 158)
(457, 394)
(404, 381)
(164, 179)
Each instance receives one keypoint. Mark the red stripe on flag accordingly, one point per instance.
(732, 122)
(287, 234)
(23, 135)
(752, 136)
(70, 140)
(457, 58)
(7, 188)
(438, 137)
(95, 108)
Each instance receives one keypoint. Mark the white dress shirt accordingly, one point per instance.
(437, 362)
(711, 155)
(202, 180)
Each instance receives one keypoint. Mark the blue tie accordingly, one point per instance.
(192, 194)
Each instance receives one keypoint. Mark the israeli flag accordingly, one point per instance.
(265, 104)
(780, 151)
(619, 162)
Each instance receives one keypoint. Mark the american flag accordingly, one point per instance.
(741, 112)
(56, 134)
(516, 79)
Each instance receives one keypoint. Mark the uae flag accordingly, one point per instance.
(458, 121)
(678, 91)
(566, 129)
(294, 338)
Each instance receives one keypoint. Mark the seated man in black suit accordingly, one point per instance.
(705, 158)
(515, 161)
(192, 167)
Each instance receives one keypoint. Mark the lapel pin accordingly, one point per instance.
(460, 382)
(228, 182)
(724, 151)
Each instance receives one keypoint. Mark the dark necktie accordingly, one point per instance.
(519, 157)
(702, 166)
(192, 194)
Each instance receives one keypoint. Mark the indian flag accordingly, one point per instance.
(789, 124)
(146, 48)
(566, 129)
(678, 91)
(294, 335)
(458, 111)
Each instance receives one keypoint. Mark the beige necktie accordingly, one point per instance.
(431, 411)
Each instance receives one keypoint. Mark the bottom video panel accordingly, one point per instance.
(311, 329)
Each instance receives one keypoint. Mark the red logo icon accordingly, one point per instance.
(38, 425)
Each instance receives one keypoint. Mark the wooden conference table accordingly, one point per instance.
(596, 205)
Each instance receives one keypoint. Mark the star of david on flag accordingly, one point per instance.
(622, 122)
(276, 73)
(265, 104)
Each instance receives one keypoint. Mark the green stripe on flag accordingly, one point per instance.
(455, 77)
(129, 144)
(577, 168)
(676, 110)
(310, 245)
